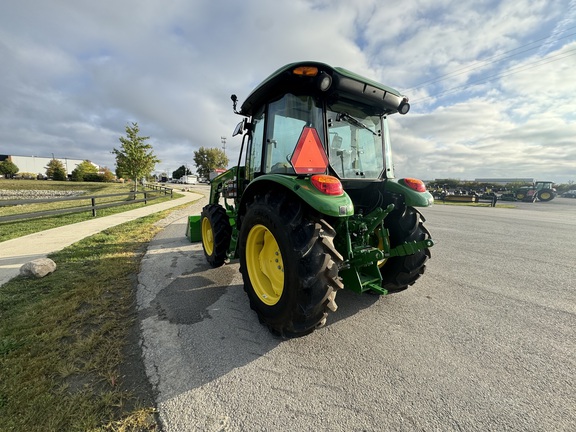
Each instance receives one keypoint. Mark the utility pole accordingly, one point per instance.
(223, 139)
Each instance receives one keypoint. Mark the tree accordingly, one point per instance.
(182, 171)
(207, 160)
(55, 170)
(107, 175)
(8, 168)
(135, 158)
(83, 170)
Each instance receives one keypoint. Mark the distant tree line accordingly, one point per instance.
(135, 160)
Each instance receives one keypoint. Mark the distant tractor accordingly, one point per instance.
(315, 206)
(541, 190)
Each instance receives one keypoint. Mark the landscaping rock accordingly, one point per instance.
(25, 194)
(38, 268)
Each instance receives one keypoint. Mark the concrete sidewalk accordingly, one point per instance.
(16, 252)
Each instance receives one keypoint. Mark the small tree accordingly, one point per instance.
(8, 168)
(55, 170)
(107, 175)
(207, 160)
(182, 171)
(84, 169)
(135, 159)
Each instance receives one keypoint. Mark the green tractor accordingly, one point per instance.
(315, 206)
(541, 190)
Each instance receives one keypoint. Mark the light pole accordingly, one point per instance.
(223, 139)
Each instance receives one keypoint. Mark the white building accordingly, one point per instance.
(38, 164)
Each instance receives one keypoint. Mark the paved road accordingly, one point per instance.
(485, 341)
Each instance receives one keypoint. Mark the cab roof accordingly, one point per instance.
(344, 85)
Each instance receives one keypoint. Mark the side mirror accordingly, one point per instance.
(239, 128)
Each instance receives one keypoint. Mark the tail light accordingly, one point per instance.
(327, 184)
(415, 184)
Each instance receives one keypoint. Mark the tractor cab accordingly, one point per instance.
(311, 118)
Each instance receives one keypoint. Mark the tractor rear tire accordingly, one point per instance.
(398, 273)
(216, 234)
(289, 265)
(546, 195)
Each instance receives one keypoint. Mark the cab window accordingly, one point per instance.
(286, 119)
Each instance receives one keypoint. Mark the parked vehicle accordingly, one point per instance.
(188, 179)
(569, 194)
(315, 207)
(540, 190)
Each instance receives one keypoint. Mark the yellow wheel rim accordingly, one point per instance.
(520, 196)
(545, 196)
(264, 265)
(207, 236)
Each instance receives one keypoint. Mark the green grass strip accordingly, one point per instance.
(63, 338)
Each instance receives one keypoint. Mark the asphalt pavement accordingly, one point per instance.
(485, 340)
(16, 252)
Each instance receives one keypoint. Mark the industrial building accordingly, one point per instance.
(38, 164)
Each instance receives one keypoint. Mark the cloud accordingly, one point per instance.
(75, 73)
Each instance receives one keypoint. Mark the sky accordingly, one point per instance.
(491, 83)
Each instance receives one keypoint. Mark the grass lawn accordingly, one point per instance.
(10, 230)
(67, 340)
(69, 343)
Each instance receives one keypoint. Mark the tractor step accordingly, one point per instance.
(194, 229)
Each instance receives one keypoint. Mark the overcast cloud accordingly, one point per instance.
(491, 83)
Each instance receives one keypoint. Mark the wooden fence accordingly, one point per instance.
(156, 191)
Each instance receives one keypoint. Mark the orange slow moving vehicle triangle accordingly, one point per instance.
(309, 156)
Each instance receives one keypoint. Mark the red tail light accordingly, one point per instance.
(327, 184)
(415, 184)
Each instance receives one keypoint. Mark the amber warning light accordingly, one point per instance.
(306, 71)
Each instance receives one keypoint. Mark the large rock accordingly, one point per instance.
(38, 268)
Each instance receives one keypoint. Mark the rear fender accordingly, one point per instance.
(330, 205)
(412, 198)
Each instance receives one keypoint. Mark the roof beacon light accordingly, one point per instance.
(309, 71)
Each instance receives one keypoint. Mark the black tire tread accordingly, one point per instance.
(398, 273)
(314, 258)
(221, 231)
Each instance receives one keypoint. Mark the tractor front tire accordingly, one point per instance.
(398, 273)
(216, 234)
(289, 265)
